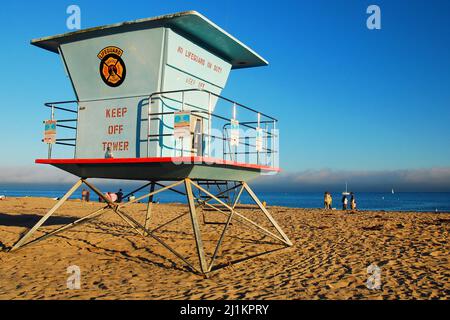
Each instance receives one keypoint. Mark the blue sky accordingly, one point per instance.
(347, 98)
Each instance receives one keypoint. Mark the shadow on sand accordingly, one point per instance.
(234, 262)
(29, 220)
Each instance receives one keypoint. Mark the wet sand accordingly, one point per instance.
(329, 259)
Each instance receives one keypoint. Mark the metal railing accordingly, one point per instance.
(217, 112)
(55, 106)
(252, 121)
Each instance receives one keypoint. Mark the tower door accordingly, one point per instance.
(197, 141)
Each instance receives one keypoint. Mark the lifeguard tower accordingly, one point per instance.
(149, 107)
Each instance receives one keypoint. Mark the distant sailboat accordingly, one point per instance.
(346, 193)
(393, 192)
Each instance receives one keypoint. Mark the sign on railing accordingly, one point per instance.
(50, 132)
(234, 134)
(259, 140)
(182, 124)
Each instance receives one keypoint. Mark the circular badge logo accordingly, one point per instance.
(112, 68)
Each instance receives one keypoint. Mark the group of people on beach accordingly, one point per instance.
(328, 201)
(113, 197)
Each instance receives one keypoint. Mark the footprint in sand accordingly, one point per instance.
(101, 285)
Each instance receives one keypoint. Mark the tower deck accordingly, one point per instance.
(161, 169)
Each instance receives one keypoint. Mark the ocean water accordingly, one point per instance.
(402, 201)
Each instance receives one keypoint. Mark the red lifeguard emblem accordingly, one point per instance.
(112, 67)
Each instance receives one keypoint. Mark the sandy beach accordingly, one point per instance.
(329, 259)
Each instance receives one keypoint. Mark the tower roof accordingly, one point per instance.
(190, 24)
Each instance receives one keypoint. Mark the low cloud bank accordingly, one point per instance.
(414, 180)
(34, 175)
(37, 176)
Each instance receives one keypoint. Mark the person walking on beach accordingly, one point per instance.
(85, 195)
(112, 196)
(353, 202)
(344, 203)
(119, 196)
(328, 200)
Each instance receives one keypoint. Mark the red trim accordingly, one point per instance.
(186, 160)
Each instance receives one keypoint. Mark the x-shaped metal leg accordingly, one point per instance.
(143, 229)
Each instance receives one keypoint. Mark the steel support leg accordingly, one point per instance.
(135, 224)
(196, 227)
(222, 236)
(267, 232)
(48, 215)
(114, 207)
(148, 216)
(267, 214)
(150, 233)
(67, 227)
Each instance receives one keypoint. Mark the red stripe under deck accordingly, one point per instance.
(186, 160)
